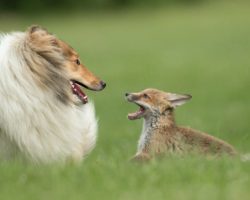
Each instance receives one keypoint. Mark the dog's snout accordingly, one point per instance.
(103, 84)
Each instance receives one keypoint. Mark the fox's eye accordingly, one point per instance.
(145, 96)
(78, 62)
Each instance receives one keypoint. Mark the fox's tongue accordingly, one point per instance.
(136, 115)
(77, 91)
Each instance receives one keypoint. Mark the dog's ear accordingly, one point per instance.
(44, 44)
(45, 59)
(40, 37)
(35, 28)
(178, 99)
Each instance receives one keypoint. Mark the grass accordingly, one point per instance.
(201, 50)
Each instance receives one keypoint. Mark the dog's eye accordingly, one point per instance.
(78, 62)
(145, 96)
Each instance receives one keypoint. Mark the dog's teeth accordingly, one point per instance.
(77, 91)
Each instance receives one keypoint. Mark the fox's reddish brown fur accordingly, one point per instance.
(160, 133)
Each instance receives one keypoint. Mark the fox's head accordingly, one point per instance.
(153, 101)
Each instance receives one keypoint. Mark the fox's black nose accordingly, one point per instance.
(103, 84)
(126, 94)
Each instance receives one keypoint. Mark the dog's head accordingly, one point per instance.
(57, 66)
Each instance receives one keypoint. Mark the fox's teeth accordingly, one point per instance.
(136, 115)
(141, 109)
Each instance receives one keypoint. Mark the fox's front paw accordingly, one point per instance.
(141, 157)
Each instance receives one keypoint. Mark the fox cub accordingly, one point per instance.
(160, 134)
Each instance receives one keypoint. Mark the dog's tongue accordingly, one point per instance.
(77, 91)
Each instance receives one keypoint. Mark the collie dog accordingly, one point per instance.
(45, 116)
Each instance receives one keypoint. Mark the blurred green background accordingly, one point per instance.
(41, 5)
(196, 47)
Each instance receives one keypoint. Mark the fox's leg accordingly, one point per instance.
(140, 157)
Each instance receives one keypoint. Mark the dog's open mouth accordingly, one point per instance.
(138, 114)
(78, 92)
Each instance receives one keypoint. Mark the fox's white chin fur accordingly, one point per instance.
(34, 123)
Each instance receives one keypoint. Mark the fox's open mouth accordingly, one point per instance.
(76, 89)
(138, 114)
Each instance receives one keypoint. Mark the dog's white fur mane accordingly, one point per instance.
(34, 123)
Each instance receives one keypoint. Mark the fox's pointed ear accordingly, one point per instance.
(178, 99)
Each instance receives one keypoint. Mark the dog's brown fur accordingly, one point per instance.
(60, 64)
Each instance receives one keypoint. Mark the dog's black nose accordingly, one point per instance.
(126, 94)
(103, 84)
